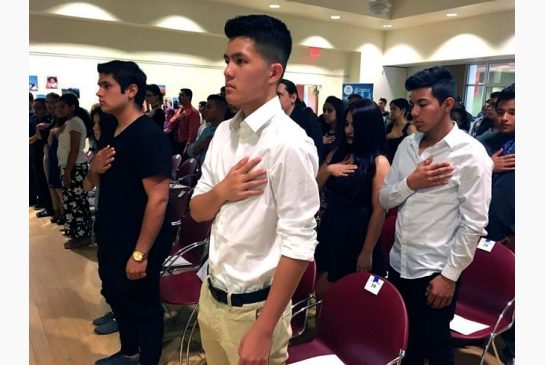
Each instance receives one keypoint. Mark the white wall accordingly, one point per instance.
(172, 58)
(487, 36)
(189, 53)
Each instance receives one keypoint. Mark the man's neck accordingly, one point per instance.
(436, 134)
(126, 116)
(249, 109)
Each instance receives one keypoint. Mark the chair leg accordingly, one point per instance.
(191, 321)
(491, 342)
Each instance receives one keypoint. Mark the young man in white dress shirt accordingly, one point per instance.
(440, 179)
(259, 185)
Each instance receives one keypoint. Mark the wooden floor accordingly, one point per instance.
(64, 297)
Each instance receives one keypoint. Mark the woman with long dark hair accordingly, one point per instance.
(332, 123)
(352, 174)
(400, 126)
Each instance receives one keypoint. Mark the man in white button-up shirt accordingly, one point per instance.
(441, 180)
(259, 185)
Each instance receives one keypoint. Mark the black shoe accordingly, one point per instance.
(104, 319)
(107, 328)
(118, 359)
(43, 213)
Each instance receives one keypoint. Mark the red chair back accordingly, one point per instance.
(361, 327)
(186, 172)
(176, 161)
(191, 232)
(387, 235)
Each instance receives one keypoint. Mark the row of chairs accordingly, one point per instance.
(348, 324)
(487, 290)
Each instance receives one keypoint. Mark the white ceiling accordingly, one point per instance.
(402, 14)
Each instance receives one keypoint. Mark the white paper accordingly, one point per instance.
(203, 271)
(486, 245)
(374, 283)
(180, 261)
(465, 326)
(321, 360)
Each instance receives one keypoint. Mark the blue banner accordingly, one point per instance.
(365, 90)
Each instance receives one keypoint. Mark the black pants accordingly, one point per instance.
(40, 180)
(136, 306)
(429, 328)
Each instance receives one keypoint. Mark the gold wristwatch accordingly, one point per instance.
(139, 256)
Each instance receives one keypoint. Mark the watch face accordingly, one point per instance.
(137, 256)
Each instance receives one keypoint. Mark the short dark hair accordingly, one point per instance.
(384, 100)
(290, 87)
(440, 80)
(401, 103)
(219, 100)
(187, 92)
(355, 97)
(271, 37)
(155, 90)
(506, 94)
(53, 96)
(126, 73)
(495, 94)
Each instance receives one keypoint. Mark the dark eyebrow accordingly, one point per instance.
(234, 55)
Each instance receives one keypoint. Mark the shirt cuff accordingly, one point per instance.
(451, 273)
(405, 189)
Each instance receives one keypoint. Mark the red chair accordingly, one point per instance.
(179, 284)
(189, 249)
(487, 296)
(177, 207)
(304, 294)
(387, 235)
(359, 327)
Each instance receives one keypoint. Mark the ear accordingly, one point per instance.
(277, 71)
(131, 91)
(448, 104)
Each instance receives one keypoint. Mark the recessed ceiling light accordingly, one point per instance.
(387, 26)
(274, 6)
(335, 17)
(452, 14)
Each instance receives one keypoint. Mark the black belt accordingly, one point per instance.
(238, 300)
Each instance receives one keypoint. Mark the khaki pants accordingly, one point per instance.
(222, 327)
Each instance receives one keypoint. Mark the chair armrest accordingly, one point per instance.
(306, 308)
(168, 265)
(189, 177)
(398, 358)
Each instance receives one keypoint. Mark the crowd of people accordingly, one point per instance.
(270, 169)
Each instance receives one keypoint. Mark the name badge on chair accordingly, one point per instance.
(374, 283)
(486, 245)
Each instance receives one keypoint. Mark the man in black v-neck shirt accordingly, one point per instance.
(132, 167)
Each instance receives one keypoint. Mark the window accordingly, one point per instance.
(483, 79)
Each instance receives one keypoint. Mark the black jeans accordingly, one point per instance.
(429, 328)
(136, 306)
